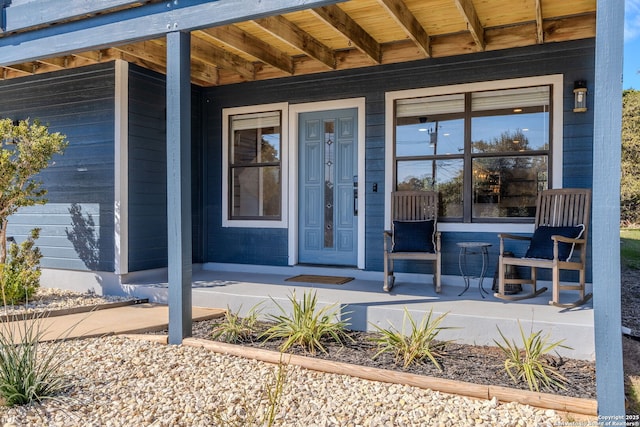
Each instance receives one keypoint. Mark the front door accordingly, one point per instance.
(327, 207)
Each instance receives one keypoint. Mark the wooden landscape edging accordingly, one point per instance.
(28, 315)
(504, 394)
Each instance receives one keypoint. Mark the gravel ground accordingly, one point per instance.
(121, 382)
(115, 381)
(57, 299)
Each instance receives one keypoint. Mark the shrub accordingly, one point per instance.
(529, 363)
(307, 325)
(234, 329)
(20, 275)
(418, 345)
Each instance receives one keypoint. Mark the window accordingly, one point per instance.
(253, 166)
(487, 152)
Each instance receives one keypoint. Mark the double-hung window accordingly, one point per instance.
(487, 152)
(253, 166)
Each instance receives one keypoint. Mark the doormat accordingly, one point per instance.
(327, 280)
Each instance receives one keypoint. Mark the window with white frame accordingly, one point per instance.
(253, 163)
(487, 152)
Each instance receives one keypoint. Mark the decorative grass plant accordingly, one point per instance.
(235, 329)
(307, 325)
(249, 415)
(415, 345)
(29, 370)
(530, 363)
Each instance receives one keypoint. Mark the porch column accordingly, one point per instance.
(607, 107)
(179, 184)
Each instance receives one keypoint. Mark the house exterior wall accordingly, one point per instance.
(268, 246)
(147, 171)
(77, 222)
(80, 103)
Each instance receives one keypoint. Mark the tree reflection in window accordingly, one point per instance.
(486, 153)
(255, 172)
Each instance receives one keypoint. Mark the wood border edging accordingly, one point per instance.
(504, 394)
(73, 310)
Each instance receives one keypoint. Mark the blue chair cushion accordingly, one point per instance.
(413, 236)
(541, 245)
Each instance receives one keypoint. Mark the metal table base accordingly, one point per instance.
(473, 248)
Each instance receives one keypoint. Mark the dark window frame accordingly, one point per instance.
(468, 156)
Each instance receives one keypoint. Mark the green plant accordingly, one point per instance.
(530, 362)
(25, 150)
(249, 414)
(419, 344)
(274, 392)
(29, 369)
(306, 325)
(630, 247)
(20, 275)
(630, 159)
(235, 329)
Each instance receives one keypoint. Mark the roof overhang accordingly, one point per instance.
(244, 40)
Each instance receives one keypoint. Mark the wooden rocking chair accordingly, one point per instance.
(414, 234)
(559, 243)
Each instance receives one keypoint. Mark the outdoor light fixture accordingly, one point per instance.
(580, 96)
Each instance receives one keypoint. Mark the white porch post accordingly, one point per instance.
(179, 184)
(607, 106)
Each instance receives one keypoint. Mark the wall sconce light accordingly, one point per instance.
(580, 96)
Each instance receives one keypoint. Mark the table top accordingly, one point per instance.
(473, 244)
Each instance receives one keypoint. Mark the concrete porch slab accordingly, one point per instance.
(471, 319)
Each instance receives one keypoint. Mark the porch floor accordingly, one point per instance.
(473, 320)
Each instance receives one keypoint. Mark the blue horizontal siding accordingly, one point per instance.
(573, 59)
(263, 246)
(148, 171)
(77, 222)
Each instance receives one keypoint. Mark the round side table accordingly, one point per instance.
(472, 248)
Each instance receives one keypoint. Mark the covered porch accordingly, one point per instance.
(226, 48)
(474, 320)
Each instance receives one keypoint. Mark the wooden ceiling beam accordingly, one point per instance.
(468, 12)
(113, 54)
(147, 51)
(294, 36)
(94, 56)
(408, 22)
(344, 24)
(58, 63)
(25, 69)
(12, 73)
(202, 73)
(539, 22)
(245, 42)
(214, 55)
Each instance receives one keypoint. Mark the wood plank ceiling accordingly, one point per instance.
(357, 33)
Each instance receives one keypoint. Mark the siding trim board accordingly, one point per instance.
(121, 168)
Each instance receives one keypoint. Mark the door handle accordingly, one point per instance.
(355, 195)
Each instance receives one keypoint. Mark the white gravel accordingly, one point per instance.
(116, 381)
(121, 382)
(56, 299)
